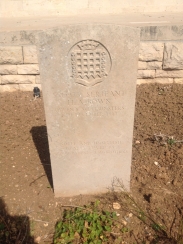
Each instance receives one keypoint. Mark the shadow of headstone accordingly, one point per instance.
(40, 138)
(14, 229)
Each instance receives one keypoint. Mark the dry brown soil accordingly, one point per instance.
(28, 209)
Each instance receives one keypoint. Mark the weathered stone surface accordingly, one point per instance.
(151, 51)
(16, 79)
(89, 84)
(9, 88)
(8, 69)
(154, 65)
(38, 80)
(156, 80)
(28, 69)
(163, 80)
(170, 74)
(146, 74)
(30, 55)
(11, 55)
(173, 55)
(178, 80)
(28, 87)
(142, 65)
(144, 81)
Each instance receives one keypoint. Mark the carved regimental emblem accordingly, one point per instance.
(90, 62)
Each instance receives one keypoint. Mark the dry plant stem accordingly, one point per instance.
(38, 220)
(21, 231)
(5, 223)
(164, 138)
(24, 235)
(72, 206)
(26, 218)
(139, 209)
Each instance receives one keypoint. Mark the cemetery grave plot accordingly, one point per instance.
(157, 166)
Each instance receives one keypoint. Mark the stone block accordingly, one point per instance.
(17, 79)
(9, 88)
(142, 65)
(38, 80)
(144, 81)
(11, 55)
(30, 55)
(178, 80)
(28, 87)
(151, 51)
(154, 65)
(169, 74)
(8, 69)
(173, 55)
(156, 80)
(145, 74)
(28, 69)
(163, 80)
(89, 84)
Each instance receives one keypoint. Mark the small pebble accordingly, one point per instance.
(124, 222)
(137, 142)
(116, 205)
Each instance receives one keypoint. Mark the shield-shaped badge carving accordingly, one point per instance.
(90, 63)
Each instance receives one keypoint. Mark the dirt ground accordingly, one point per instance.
(27, 205)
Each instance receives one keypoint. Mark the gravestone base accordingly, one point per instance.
(88, 76)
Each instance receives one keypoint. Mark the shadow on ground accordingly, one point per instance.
(14, 229)
(40, 138)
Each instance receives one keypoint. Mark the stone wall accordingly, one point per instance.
(19, 68)
(160, 62)
(38, 8)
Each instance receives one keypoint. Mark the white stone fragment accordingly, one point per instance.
(8, 69)
(157, 164)
(137, 142)
(30, 55)
(28, 69)
(169, 73)
(151, 51)
(173, 55)
(17, 79)
(116, 205)
(11, 55)
(144, 74)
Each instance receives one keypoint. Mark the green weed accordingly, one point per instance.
(87, 225)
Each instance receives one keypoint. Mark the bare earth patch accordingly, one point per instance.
(28, 210)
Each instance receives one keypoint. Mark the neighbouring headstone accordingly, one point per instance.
(88, 76)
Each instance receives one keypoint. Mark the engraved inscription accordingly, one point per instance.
(90, 63)
(87, 147)
(102, 103)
